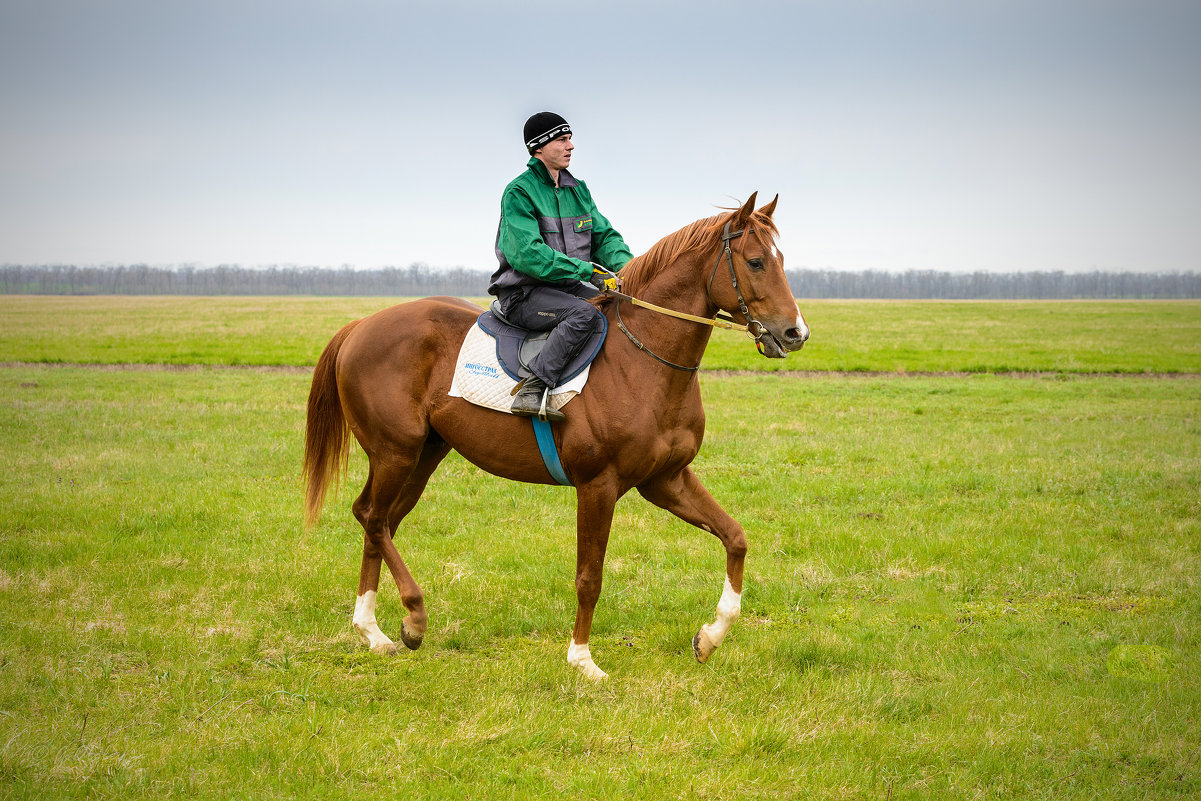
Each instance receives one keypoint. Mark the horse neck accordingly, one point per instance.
(679, 286)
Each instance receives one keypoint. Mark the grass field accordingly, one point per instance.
(959, 586)
(915, 336)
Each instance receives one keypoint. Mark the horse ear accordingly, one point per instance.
(747, 209)
(767, 210)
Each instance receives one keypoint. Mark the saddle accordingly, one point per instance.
(516, 347)
(495, 355)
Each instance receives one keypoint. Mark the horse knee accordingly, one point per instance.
(588, 588)
(736, 544)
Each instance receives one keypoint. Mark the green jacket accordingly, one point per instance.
(550, 235)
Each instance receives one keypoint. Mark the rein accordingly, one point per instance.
(720, 321)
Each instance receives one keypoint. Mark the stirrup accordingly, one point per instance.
(544, 411)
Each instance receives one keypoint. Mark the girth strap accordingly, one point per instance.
(550, 453)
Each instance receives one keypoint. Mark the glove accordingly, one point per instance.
(603, 279)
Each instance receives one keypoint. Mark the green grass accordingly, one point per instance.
(174, 330)
(912, 336)
(986, 336)
(958, 587)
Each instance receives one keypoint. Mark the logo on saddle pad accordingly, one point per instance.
(482, 370)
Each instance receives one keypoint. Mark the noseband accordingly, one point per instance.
(753, 328)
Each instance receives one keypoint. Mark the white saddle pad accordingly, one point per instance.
(480, 379)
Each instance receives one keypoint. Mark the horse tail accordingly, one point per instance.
(327, 435)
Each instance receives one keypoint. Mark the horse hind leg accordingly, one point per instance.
(387, 498)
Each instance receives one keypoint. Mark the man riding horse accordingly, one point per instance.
(556, 250)
(386, 380)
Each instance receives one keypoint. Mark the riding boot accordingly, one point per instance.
(528, 401)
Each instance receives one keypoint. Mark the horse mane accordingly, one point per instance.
(702, 235)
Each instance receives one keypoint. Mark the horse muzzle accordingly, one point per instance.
(777, 341)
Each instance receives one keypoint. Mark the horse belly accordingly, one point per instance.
(497, 443)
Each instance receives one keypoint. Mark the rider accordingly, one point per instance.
(549, 237)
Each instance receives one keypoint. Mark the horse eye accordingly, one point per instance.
(755, 264)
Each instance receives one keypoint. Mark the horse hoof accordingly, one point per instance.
(591, 672)
(384, 649)
(411, 641)
(702, 647)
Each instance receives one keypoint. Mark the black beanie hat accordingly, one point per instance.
(544, 127)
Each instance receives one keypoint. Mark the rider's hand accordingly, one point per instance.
(603, 279)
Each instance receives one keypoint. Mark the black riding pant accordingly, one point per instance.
(567, 314)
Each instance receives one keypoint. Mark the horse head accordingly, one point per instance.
(748, 281)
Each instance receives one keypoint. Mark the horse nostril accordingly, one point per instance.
(794, 334)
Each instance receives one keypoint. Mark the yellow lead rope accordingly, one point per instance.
(728, 325)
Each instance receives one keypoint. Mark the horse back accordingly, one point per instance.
(404, 337)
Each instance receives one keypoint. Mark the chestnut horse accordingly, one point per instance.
(637, 424)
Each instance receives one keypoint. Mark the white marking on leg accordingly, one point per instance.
(365, 625)
(728, 610)
(579, 656)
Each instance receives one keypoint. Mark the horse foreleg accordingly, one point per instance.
(594, 518)
(684, 496)
(379, 547)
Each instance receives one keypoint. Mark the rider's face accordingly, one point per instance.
(556, 155)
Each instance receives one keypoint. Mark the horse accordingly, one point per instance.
(386, 380)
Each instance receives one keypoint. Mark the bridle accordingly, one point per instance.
(755, 329)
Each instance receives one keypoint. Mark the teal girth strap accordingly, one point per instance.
(550, 454)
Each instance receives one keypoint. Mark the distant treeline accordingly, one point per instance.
(420, 280)
(142, 279)
(922, 284)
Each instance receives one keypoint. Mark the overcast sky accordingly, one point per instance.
(953, 135)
